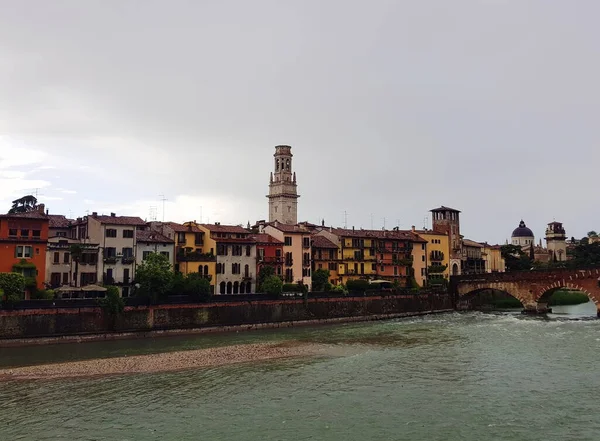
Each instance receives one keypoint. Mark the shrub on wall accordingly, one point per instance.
(13, 286)
(291, 287)
(358, 285)
(197, 287)
(272, 285)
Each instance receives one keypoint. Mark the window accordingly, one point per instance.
(374, 267)
(248, 250)
(288, 241)
(279, 270)
(127, 252)
(423, 246)
(128, 234)
(24, 233)
(332, 266)
(110, 232)
(306, 242)
(66, 258)
(165, 253)
(236, 250)
(110, 252)
(55, 279)
(36, 234)
(61, 234)
(288, 259)
(181, 238)
(145, 254)
(278, 252)
(395, 271)
(23, 252)
(56, 257)
(12, 232)
(219, 268)
(221, 250)
(422, 258)
(246, 271)
(235, 268)
(331, 254)
(65, 278)
(126, 275)
(198, 239)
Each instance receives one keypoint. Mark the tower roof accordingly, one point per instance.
(442, 208)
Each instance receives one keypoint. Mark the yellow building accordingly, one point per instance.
(436, 258)
(325, 255)
(192, 255)
(492, 255)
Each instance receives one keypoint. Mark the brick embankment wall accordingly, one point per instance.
(42, 323)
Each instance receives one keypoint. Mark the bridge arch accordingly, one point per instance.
(470, 297)
(584, 288)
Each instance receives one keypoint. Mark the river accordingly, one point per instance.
(455, 376)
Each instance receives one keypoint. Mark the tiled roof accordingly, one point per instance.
(266, 239)
(119, 220)
(442, 208)
(58, 221)
(290, 228)
(378, 234)
(472, 243)
(218, 228)
(28, 215)
(179, 228)
(322, 242)
(149, 236)
(430, 232)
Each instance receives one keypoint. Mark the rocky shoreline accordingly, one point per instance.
(161, 362)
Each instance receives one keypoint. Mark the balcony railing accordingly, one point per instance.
(195, 256)
(127, 260)
(269, 259)
(106, 280)
(247, 277)
(111, 259)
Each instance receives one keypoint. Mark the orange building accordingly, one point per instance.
(23, 239)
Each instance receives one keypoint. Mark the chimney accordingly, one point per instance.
(41, 208)
(113, 215)
(94, 214)
(47, 212)
(352, 227)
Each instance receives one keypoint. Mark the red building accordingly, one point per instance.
(23, 239)
(269, 252)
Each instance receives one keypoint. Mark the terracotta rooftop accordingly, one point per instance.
(378, 234)
(322, 242)
(27, 215)
(218, 228)
(149, 236)
(472, 243)
(290, 228)
(266, 239)
(119, 220)
(58, 221)
(179, 228)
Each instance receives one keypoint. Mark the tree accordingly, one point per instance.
(515, 258)
(272, 285)
(592, 234)
(13, 287)
(197, 286)
(23, 205)
(155, 277)
(320, 278)
(585, 254)
(76, 251)
(265, 272)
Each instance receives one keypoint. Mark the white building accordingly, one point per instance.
(149, 241)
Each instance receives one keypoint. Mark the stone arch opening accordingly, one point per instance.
(455, 271)
(489, 299)
(222, 287)
(563, 294)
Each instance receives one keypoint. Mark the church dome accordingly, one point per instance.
(522, 231)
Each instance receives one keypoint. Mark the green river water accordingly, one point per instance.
(455, 376)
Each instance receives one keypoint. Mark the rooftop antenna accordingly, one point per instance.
(70, 214)
(200, 213)
(152, 212)
(398, 223)
(371, 221)
(345, 219)
(425, 220)
(384, 223)
(163, 199)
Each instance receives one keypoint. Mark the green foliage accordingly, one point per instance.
(112, 303)
(563, 297)
(320, 278)
(291, 287)
(265, 272)
(197, 287)
(43, 294)
(412, 284)
(23, 205)
(585, 254)
(272, 285)
(436, 269)
(155, 277)
(76, 250)
(327, 287)
(339, 289)
(358, 285)
(515, 258)
(13, 286)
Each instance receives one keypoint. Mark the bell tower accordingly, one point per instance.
(283, 192)
(556, 242)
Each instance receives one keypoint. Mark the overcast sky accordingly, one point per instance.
(391, 108)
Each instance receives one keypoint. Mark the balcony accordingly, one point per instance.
(289, 262)
(269, 259)
(106, 280)
(247, 277)
(195, 256)
(127, 260)
(110, 259)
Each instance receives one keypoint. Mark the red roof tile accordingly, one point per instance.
(58, 221)
(149, 236)
(27, 215)
(218, 228)
(179, 228)
(322, 242)
(119, 220)
(290, 228)
(266, 239)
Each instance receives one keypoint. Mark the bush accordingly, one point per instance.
(358, 285)
(339, 289)
(197, 287)
(43, 294)
(155, 277)
(13, 287)
(112, 303)
(291, 287)
(272, 285)
(320, 278)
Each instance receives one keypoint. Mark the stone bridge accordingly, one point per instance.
(532, 288)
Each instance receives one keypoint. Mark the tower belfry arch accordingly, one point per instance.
(283, 190)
